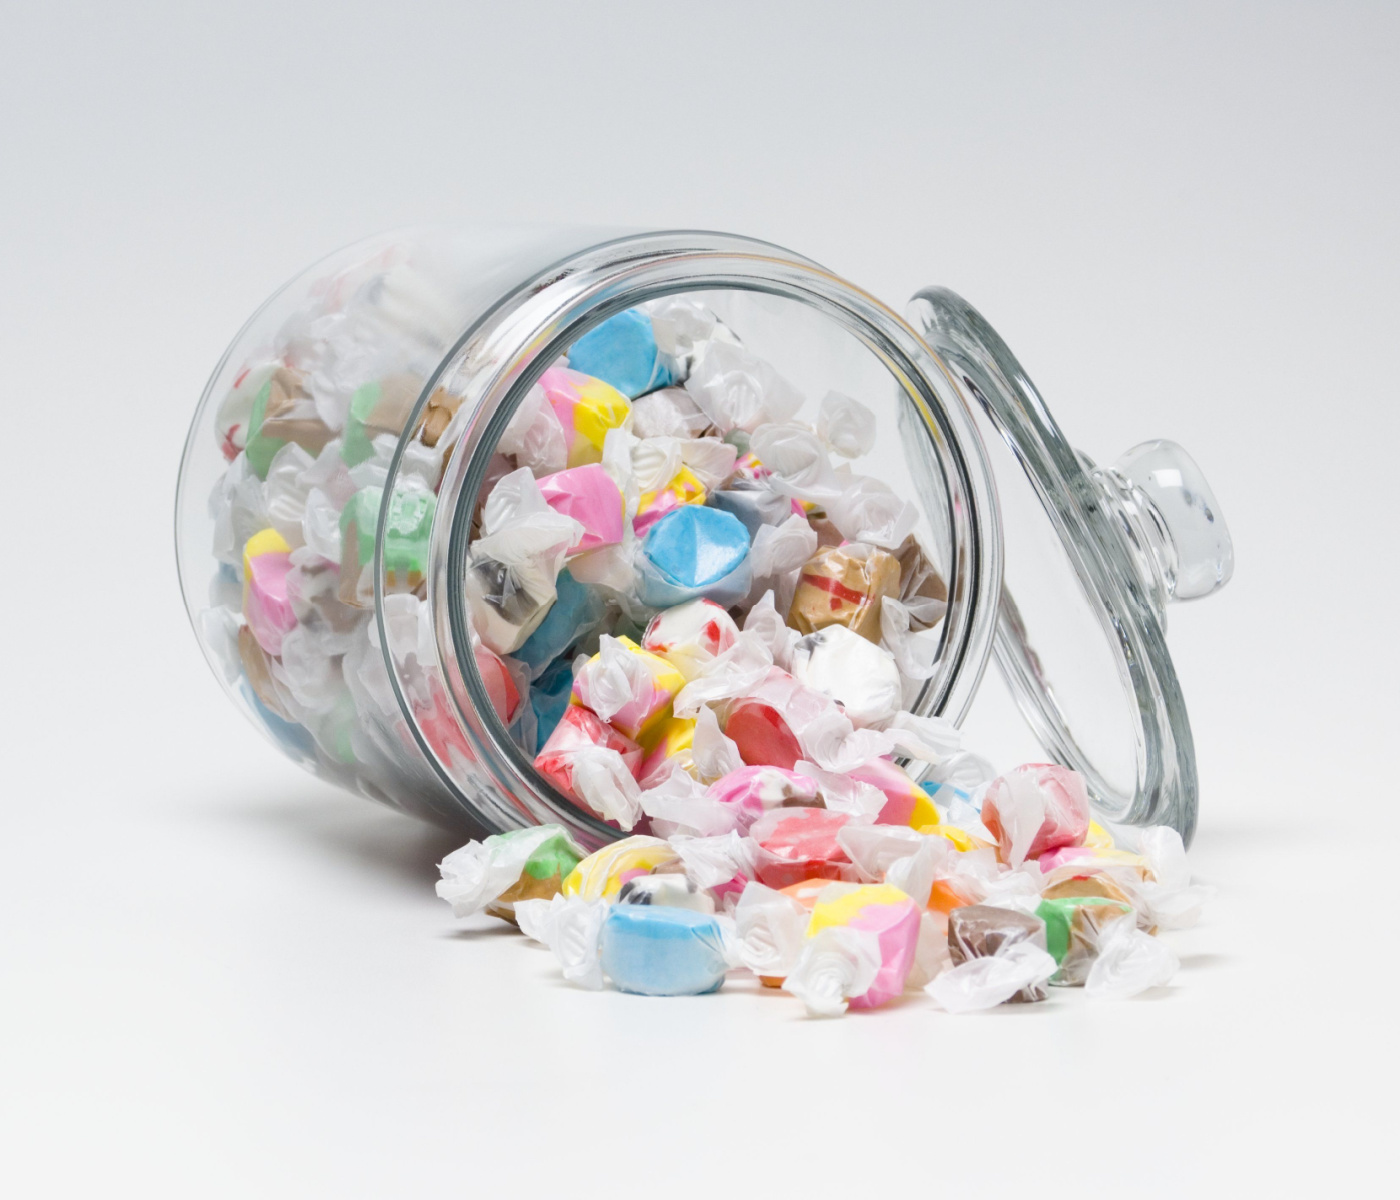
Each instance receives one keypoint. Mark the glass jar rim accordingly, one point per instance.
(494, 363)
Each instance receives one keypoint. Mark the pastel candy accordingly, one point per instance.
(753, 503)
(541, 857)
(258, 672)
(691, 552)
(981, 931)
(1084, 859)
(499, 684)
(266, 606)
(578, 727)
(380, 407)
(650, 701)
(761, 734)
(549, 697)
(1073, 926)
(880, 909)
(857, 674)
(660, 951)
(623, 352)
(668, 746)
(669, 889)
(589, 495)
(906, 802)
(282, 411)
(601, 875)
(440, 727)
(683, 488)
(1062, 797)
(800, 843)
(844, 585)
(508, 603)
(690, 635)
(406, 536)
(752, 791)
(1096, 884)
(586, 409)
(236, 409)
(577, 610)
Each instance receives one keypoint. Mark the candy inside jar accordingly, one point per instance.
(663, 535)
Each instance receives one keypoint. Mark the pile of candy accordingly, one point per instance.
(843, 911)
(724, 635)
(700, 623)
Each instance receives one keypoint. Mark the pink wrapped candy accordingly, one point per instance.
(884, 911)
(267, 559)
(1035, 808)
(576, 729)
(589, 495)
(753, 791)
(800, 843)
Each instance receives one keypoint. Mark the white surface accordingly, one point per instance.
(223, 978)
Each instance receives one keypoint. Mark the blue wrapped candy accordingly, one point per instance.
(694, 551)
(576, 610)
(549, 697)
(622, 351)
(658, 951)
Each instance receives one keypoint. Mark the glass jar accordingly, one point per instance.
(397, 364)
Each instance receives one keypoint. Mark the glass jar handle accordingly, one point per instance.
(1173, 524)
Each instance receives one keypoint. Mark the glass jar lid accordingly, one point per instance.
(1092, 556)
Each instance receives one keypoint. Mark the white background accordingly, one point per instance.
(220, 977)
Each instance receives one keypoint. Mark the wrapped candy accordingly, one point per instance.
(856, 673)
(588, 495)
(878, 909)
(266, 606)
(406, 536)
(684, 487)
(282, 411)
(669, 889)
(906, 803)
(1035, 808)
(523, 864)
(980, 931)
(628, 687)
(258, 672)
(510, 582)
(800, 843)
(622, 351)
(844, 585)
(601, 875)
(662, 951)
(738, 390)
(377, 408)
(549, 698)
(691, 635)
(577, 610)
(1016, 967)
(579, 729)
(752, 791)
(438, 414)
(670, 412)
(753, 502)
(670, 748)
(771, 927)
(691, 552)
(1073, 928)
(586, 408)
(761, 735)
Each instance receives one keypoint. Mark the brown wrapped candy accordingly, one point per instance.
(1086, 927)
(1097, 884)
(290, 415)
(844, 585)
(437, 415)
(918, 578)
(258, 670)
(527, 887)
(980, 930)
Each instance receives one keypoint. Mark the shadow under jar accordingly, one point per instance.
(332, 483)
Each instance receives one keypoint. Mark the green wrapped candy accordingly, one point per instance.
(406, 535)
